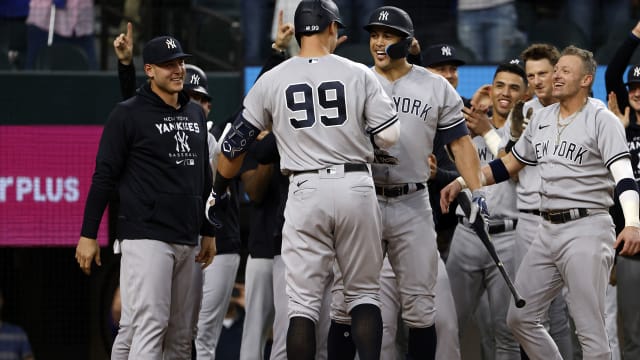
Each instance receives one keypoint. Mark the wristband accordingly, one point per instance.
(492, 139)
(500, 172)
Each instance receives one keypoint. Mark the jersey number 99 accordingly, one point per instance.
(330, 96)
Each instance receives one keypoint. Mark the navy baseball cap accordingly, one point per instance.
(441, 54)
(162, 49)
(633, 76)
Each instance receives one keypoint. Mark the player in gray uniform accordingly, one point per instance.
(539, 61)
(323, 110)
(426, 104)
(581, 150)
(471, 270)
(401, 188)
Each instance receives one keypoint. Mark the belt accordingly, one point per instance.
(349, 167)
(495, 226)
(398, 190)
(564, 215)
(535, 212)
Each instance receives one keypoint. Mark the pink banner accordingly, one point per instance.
(45, 175)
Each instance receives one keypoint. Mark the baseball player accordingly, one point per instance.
(539, 60)
(471, 270)
(215, 282)
(409, 239)
(154, 150)
(624, 101)
(323, 109)
(582, 154)
(266, 303)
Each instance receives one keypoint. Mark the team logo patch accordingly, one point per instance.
(181, 142)
(171, 43)
(195, 79)
(446, 51)
(383, 16)
(636, 71)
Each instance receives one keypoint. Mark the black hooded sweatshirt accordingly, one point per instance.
(157, 157)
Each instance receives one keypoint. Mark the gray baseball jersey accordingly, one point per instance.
(471, 270)
(320, 108)
(573, 160)
(323, 110)
(528, 186)
(425, 102)
(573, 155)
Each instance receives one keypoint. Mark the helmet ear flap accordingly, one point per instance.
(400, 49)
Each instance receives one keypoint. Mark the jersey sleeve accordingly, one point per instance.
(379, 110)
(451, 123)
(612, 141)
(256, 104)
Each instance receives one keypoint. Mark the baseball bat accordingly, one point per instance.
(483, 234)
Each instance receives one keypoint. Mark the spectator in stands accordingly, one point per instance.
(596, 18)
(488, 28)
(14, 344)
(73, 22)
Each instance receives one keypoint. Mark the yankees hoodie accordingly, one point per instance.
(156, 156)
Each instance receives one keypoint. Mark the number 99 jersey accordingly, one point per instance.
(323, 111)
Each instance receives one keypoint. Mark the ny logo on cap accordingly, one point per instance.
(514, 62)
(446, 51)
(383, 16)
(171, 43)
(195, 79)
(636, 71)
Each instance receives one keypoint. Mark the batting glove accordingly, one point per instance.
(479, 205)
(216, 205)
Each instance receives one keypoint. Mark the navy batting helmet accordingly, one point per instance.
(392, 17)
(196, 81)
(313, 16)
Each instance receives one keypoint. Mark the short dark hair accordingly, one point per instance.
(512, 66)
(541, 51)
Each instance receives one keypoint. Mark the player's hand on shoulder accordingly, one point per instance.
(217, 204)
(86, 251)
(628, 241)
(448, 194)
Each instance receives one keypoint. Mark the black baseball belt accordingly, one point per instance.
(495, 226)
(535, 212)
(399, 190)
(564, 215)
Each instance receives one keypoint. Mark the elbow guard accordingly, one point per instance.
(240, 136)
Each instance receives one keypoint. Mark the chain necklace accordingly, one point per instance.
(560, 127)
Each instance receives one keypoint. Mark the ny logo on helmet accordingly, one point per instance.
(636, 71)
(195, 79)
(446, 51)
(383, 16)
(171, 44)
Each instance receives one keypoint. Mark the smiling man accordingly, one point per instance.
(582, 154)
(154, 151)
